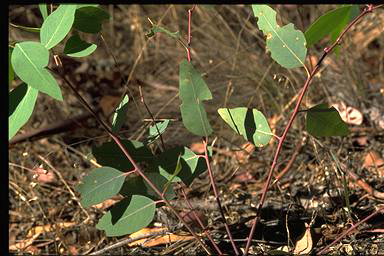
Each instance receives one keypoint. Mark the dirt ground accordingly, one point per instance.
(45, 216)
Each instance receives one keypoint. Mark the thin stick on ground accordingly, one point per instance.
(327, 50)
(136, 168)
(66, 185)
(325, 250)
(129, 240)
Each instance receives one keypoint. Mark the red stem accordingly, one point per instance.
(126, 153)
(201, 223)
(292, 118)
(381, 209)
(211, 177)
(189, 33)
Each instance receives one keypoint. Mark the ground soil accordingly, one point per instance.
(229, 51)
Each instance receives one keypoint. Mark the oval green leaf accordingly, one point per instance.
(331, 22)
(57, 25)
(75, 47)
(250, 123)
(191, 165)
(109, 154)
(100, 184)
(323, 121)
(28, 60)
(137, 186)
(21, 103)
(11, 75)
(193, 91)
(127, 216)
(154, 133)
(286, 44)
(89, 19)
(120, 114)
(161, 184)
(43, 10)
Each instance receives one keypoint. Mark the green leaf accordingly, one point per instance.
(154, 134)
(89, 19)
(57, 25)
(175, 173)
(75, 47)
(28, 60)
(161, 183)
(43, 10)
(100, 184)
(21, 103)
(193, 90)
(286, 44)
(331, 22)
(109, 154)
(191, 165)
(323, 121)
(157, 29)
(137, 186)
(78, 6)
(120, 114)
(127, 216)
(250, 123)
(11, 74)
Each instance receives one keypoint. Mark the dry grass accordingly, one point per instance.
(229, 51)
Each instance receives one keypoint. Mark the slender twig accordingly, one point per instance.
(129, 240)
(129, 157)
(205, 146)
(201, 223)
(189, 33)
(353, 227)
(213, 184)
(153, 118)
(126, 82)
(299, 145)
(327, 50)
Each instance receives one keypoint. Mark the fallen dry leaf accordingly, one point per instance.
(23, 244)
(43, 175)
(349, 115)
(304, 245)
(49, 228)
(246, 150)
(106, 204)
(373, 160)
(164, 239)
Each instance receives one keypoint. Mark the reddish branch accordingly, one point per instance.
(217, 197)
(327, 50)
(325, 250)
(136, 168)
(189, 33)
(205, 147)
